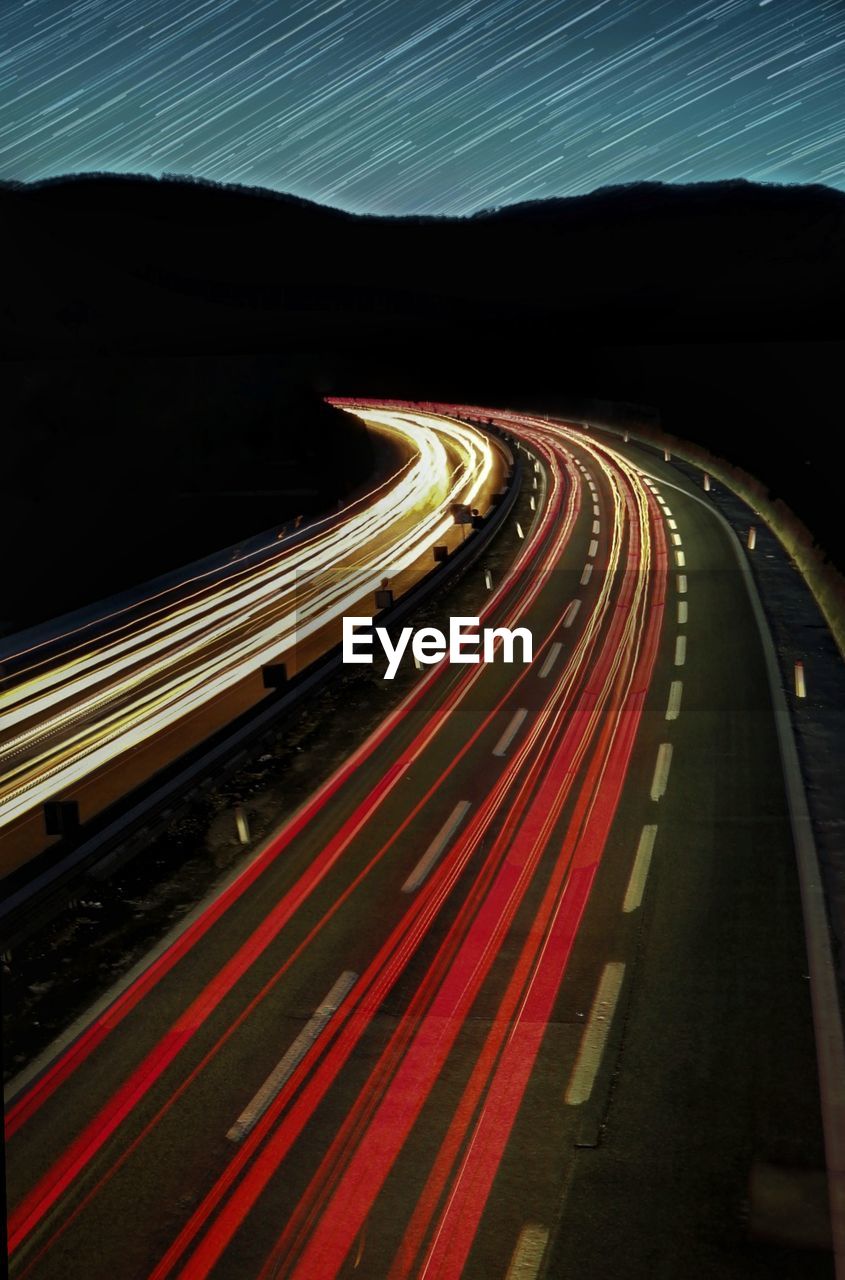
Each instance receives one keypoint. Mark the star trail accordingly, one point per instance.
(402, 106)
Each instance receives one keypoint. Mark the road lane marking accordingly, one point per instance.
(673, 524)
(595, 509)
(595, 1035)
(680, 559)
(528, 1254)
(683, 611)
(571, 611)
(666, 510)
(676, 538)
(827, 1014)
(593, 548)
(673, 710)
(682, 582)
(680, 650)
(661, 770)
(551, 659)
(585, 576)
(596, 526)
(426, 863)
(639, 871)
(280, 1074)
(510, 733)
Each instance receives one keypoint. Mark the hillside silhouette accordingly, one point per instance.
(716, 306)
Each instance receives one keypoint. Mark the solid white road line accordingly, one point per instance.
(639, 871)
(528, 1254)
(435, 849)
(683, 611)
(510, 733)
(680, 650)
(682, 582)
(680, 559)
(585, 576)
(673, 710)
(551, 658)
(595, 1034)
(571, 611)
(593, 548)
(661, 770)
(250, 1116)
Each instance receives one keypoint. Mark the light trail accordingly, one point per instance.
(340, 1230)
(62, 1175)
(337, 1222)
(541, 822)
(94, 702)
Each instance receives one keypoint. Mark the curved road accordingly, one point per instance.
(378, 1050)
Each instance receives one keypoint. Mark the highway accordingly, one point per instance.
(379, 1048)
(93, 710)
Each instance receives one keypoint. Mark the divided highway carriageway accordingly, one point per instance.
(386, 1048)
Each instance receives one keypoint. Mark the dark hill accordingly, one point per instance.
(719, 304)
(109, 263)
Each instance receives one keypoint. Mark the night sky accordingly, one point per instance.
(426, 106)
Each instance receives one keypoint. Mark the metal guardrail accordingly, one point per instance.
(37, 891)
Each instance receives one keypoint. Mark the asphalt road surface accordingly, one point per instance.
(519, 991)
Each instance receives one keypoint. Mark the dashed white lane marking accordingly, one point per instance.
(529, 1251)
(510, 733)
(639, 871)
(595, 508)
(682, 583)
(595, 1035)
(596, 526)
(666, 510)
(680, 559)
(571, 612)
(661, 770)
(680, 650)
(683, 611)
(585, 576)
(593, 548)
(551, 658)
(274, 1083)
(673, 524)
(435, 849)
(673, 710)
(676, 538)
